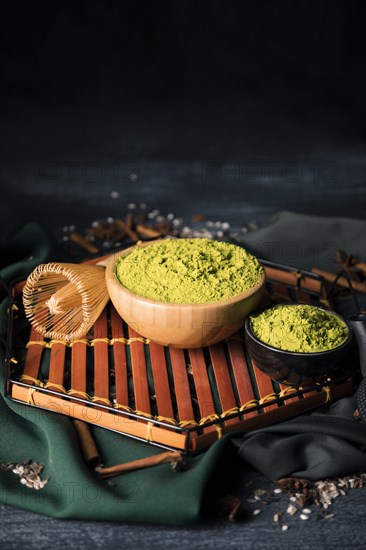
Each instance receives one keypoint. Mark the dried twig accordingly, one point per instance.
(174, 457)
(83, 243)
(87, 444)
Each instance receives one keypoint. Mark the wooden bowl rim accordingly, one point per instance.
(113, 279)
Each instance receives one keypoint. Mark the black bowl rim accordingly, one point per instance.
(250, 333)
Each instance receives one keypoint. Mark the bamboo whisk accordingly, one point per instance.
(62, 301)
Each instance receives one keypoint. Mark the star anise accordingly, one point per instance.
(347, 262)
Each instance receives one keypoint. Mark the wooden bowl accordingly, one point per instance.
(180, 325)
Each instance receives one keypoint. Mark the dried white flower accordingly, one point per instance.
(291, 510)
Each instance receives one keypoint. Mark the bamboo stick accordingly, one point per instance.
(148, 462)
(342, 281)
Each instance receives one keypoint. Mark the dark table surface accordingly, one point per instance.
(346, 530)
(56, 193)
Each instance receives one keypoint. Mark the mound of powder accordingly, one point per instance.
(188, 271)
(299, 328)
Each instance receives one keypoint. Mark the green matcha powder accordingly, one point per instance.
(188, 271)
(299, 328)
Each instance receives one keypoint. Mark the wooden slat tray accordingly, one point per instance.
(176, 399)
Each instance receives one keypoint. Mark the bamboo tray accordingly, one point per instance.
(176, 399)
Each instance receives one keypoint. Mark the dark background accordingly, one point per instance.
(235, 109)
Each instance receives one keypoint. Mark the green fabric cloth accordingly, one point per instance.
(305, 241)
(156, 494)
(315, 446)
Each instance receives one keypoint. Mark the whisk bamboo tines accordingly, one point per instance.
(62, 301)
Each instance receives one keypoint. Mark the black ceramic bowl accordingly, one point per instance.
(298, 368)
